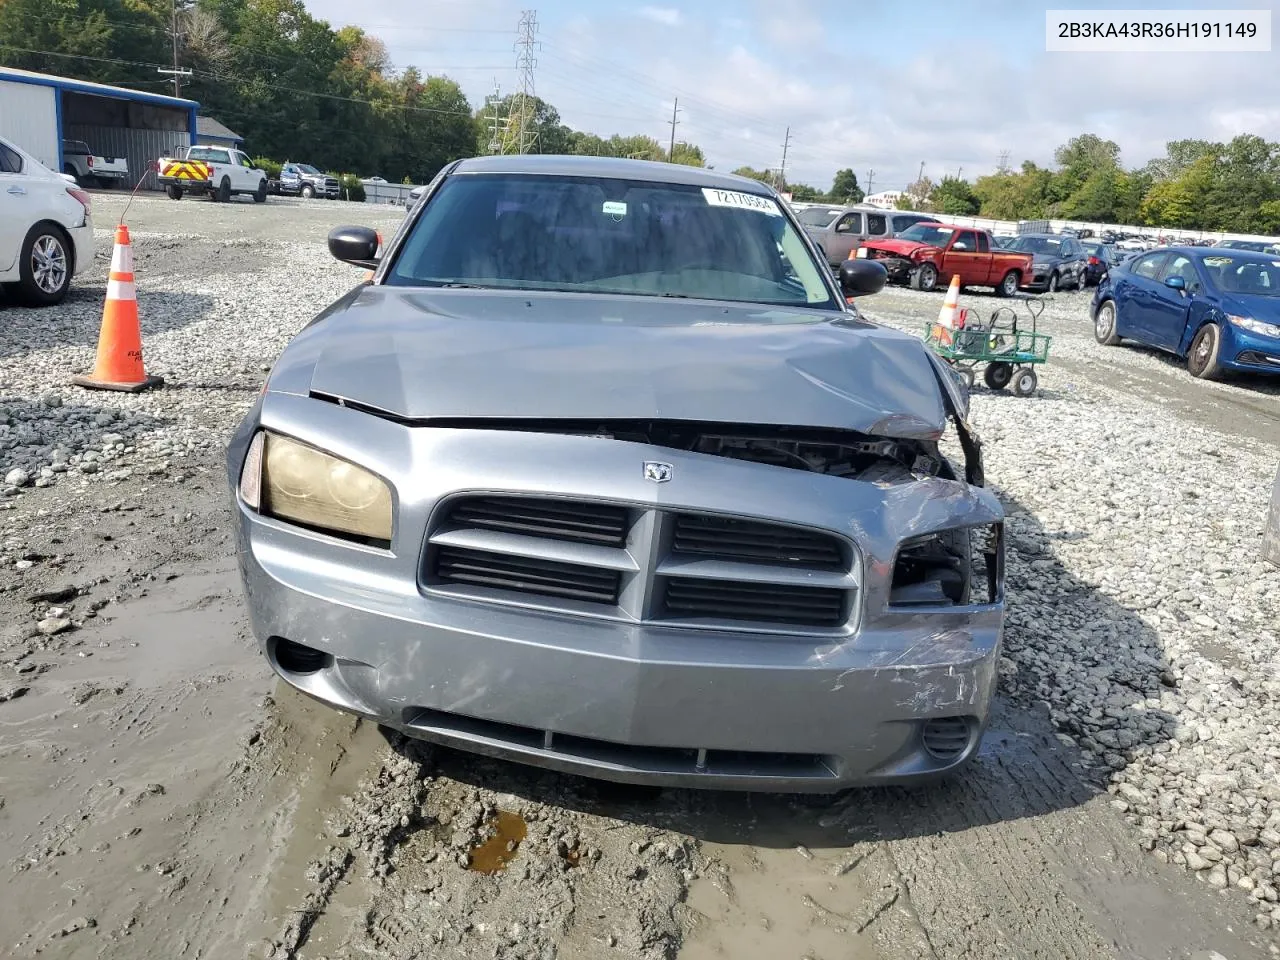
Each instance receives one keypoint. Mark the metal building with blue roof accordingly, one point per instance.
(38, 111)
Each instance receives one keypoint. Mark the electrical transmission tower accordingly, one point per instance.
(496, 122)
(525, 62)
(1004, 162)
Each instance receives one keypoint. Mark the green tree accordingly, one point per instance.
(803, 193)
(764, 176)
(689, 155)
(845, 189)
(955, 197)
(918, 196)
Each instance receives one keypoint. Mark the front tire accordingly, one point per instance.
(925, 278)
(1104, 324)
(1052, 285)
(1008, 284)
(45, 266)
(1024, 382)
(260, 195)
(307, 191)
(998, 375)
(1204, 357)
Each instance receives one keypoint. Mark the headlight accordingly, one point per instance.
(1255, 326)
(949, 568)
(291, 481)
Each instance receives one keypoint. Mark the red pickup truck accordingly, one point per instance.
(928, 252)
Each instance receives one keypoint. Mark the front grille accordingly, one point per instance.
(642, 564)
(731, 538)
(696, 598)
(548, 578)
(568, 520)
(946, 737)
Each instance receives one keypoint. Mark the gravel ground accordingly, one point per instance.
(1136, 744)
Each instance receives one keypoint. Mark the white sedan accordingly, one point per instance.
(46, 231)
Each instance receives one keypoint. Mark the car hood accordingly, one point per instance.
(459, 354)
(895, 245)
(1266, 309)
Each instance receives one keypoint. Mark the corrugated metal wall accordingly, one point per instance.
(139, 132)
(29, 118)
(139, 147)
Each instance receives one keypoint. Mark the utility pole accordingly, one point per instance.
(871, 178)
(675, 109)
(177, 71)
(525, 62)
(782, 171)
(495, 144)
(959, 171)
(921, 177)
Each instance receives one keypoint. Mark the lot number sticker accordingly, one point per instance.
(743, 201)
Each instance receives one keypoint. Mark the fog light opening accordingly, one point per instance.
(295, 658)
(946, 738)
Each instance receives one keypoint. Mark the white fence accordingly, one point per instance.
(393, 193)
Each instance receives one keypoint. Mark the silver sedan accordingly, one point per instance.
(603, 471)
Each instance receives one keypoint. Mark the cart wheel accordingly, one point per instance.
(1024, 382)
(967, 376)
(998, 375)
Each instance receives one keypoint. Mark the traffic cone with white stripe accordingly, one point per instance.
(119, 364)
(949, 315)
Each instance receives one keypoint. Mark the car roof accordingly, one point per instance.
(616, 167)
(1257, 256)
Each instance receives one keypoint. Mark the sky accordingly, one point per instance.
(871, 85)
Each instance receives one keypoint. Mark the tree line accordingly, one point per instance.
(1197, 185)
(293, 86)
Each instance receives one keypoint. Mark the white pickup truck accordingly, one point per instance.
(79, 161)
(219, 172)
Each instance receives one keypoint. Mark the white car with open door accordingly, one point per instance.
(46, 232)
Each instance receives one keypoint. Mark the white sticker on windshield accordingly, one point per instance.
(744, 201)
(615, 208)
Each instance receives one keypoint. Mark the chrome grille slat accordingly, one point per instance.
(769, 603)
(731, 538)
(553, 519)
(527, 575)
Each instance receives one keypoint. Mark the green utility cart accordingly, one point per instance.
(1008, 354)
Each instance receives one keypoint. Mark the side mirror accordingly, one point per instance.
(1176, 283)
(862, 278)
(354, 245)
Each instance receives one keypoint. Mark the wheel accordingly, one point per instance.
(925, 278)
(173, 191)
(224, 191)
(998, 375)
(1024, 382)
(308, 191)
(1104, 324)
(1203, 357)
(1009, 284)
(44, 266)
(967, 375)
(1053, 283)
(260, 195)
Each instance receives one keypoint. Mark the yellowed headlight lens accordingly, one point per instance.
(316, 489)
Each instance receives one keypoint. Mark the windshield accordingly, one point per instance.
(927, 233)
(1244, 275)
(603, 235)
(1046, 246)
(307, 168)
(818, 216)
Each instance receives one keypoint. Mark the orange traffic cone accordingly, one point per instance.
(119, 364)
(949, 315)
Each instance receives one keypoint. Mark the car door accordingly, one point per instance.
(16, 205)
(962, 258)
(1170, 308)
(249, 177)
(1079, 261)
(1136, 297)
(845, 235)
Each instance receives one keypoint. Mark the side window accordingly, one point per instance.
(244, 160)
(983, 245)
(10, 161)
(966, 242)
(876, 225)
(1181, 266)
(218, 156)
(850, 223)
(1149, 266)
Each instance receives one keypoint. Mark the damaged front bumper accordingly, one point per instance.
(889, 693)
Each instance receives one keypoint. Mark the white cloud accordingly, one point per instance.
(667, 16)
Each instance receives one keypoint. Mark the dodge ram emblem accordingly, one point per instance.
(657, 472)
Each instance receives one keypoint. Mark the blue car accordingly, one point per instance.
(1216, 307)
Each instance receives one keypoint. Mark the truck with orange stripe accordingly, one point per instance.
(216, 172)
